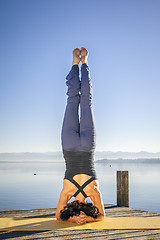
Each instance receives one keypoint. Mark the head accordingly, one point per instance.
(75, 208)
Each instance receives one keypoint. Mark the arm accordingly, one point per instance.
(63, 200)
(91, 219)
(96, 197)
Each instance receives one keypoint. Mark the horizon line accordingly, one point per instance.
(95, 151)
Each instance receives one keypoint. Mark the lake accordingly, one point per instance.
(21, 189)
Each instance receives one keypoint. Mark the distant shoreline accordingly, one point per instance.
(98, 156)
(122, 161)
(99, 161)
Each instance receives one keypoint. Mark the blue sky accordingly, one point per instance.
(36, 44)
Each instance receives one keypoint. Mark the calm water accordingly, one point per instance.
(21, 189)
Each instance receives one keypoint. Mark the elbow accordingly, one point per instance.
(58, 217)
(103, 211)
(100, 218)
(103, 214)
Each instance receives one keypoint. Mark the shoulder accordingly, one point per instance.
(93, 186)
(68, 187)
(94, 189)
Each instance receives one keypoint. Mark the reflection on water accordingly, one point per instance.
(21, 189)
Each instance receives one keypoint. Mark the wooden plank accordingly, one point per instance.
(122, 189)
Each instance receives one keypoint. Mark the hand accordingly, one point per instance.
(81, 219)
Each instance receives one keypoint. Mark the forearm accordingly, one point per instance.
(71, 219)
(91, 219)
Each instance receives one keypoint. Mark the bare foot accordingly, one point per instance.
(76, 56)
(84, 55)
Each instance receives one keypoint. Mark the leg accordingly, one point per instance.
(70, 129)
(87, 125)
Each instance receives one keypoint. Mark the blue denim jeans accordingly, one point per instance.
(78, 134)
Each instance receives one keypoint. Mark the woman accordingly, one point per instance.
(78, 143)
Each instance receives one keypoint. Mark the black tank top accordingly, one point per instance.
(79, 163)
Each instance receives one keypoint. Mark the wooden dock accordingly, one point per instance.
(111, 211)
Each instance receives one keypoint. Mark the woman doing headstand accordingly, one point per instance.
(78, 144)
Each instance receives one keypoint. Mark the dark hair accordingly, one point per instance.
(74, 208)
